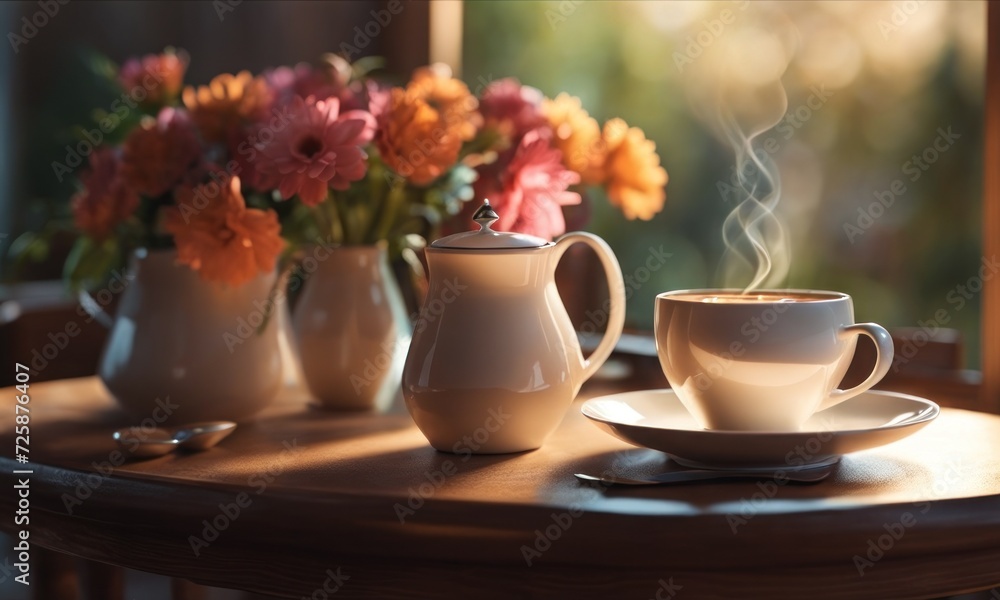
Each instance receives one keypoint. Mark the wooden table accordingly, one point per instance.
(300, 499)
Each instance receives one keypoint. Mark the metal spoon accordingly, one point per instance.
(160, 441)
(806, 474)
(145, 444)
(202, 436)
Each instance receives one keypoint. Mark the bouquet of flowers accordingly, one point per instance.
(240, 172)
(547, 151)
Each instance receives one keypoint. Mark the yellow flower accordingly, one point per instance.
(226, 103)
(450, 97)
(634, 177)
(577, 135)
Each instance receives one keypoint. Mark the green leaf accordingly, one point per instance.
(365, 65)
(90, 263)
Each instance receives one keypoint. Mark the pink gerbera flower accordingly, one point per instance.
(318, 149)
(512, 108)
(530, 192)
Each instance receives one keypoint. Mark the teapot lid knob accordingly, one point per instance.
(485, 215)
(486, 238)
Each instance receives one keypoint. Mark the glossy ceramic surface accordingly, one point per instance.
(351, 329)
(657, 419)
(495, 362)
(182, 349)
(761, 362)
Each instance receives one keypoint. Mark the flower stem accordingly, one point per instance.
(329, 218)
(394, 200)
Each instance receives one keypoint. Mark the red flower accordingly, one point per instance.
(105, 200)
(160, 75)
(159, 153)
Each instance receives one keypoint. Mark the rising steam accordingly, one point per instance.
(735, 88)
(756, 244)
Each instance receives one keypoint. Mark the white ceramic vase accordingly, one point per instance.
(192, 346)
(351, 329)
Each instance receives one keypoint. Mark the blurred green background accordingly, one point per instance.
(893, 74)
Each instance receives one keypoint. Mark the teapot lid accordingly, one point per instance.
(485, 237)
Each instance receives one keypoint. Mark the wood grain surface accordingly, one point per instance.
(363, 504)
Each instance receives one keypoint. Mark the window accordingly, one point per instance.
(880, 151)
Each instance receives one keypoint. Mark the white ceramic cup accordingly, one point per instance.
(763, 361)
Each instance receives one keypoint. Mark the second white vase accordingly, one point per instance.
(351, 328)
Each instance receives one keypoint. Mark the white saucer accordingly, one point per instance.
(656, 419)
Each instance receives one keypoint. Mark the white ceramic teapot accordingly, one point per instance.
(494, 362)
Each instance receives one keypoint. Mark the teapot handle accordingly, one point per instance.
(616, 288)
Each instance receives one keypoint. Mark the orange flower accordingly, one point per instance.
(577, 134)
(635, 179)
(160, 152)
(228, 102)
(218, 236)
(422, 127)
(449, 96)
(105, 200)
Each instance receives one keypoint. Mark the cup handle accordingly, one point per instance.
(883, 360)
(94, 309)
(616, 287)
